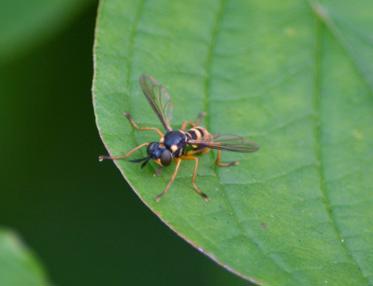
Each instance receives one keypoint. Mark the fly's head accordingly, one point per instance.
(157, 152)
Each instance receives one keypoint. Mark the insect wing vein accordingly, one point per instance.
(158, 98)
(232, 143)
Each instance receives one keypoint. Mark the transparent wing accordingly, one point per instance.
(158, 98)
(228, 143)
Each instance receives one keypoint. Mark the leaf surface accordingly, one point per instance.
(294, 76)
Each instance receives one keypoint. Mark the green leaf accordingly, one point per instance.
(296, 77)
(23, 23)
(18, 266)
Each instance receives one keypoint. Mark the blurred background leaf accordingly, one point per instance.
(25, 23)
(17, 264)
(80, 217)
(298, 212)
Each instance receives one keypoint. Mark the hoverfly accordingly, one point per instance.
(185, 143)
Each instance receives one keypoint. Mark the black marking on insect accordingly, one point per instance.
(181, 144)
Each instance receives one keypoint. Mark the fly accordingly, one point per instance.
(185, 143)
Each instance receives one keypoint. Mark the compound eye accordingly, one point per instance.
(153, 150)
(166, 158)
(152, 147)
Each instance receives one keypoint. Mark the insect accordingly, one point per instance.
(182, 144)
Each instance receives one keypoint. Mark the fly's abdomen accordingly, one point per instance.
(198, 133)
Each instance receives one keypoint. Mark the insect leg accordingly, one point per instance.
(199, 119)
(219, 163)
(184, 125)
(134, 125)
(178, 161)
(158, 171)
(196, 188)
(101, 158)
(195, 123)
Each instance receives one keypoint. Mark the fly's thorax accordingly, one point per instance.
(175, 141)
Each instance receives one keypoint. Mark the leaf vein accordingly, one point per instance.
(318, 107)
(357, 61)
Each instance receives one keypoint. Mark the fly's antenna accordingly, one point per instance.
(144, 161)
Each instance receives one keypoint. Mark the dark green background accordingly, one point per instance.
(79, 216)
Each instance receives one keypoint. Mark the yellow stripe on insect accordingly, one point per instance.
(197, 132)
